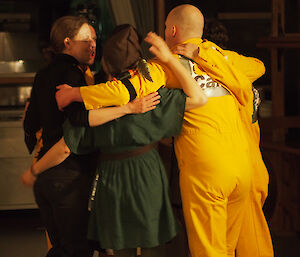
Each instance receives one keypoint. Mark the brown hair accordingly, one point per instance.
(216, 32)
(66, 26)
(122, 49)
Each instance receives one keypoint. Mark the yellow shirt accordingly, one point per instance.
(233, 71)
(115, 92)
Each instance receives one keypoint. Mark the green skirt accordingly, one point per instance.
(131, 207)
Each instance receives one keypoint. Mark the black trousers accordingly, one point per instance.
(62, 195)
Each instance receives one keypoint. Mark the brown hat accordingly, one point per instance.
(122, 49)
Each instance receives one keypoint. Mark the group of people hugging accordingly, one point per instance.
(98, 179)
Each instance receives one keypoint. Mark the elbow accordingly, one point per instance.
(63, 147)
(203, 100)
(66, 150)
(195, 102)
(260, 69)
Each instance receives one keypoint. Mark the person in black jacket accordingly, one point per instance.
(62, 192)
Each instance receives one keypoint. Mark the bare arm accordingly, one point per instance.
(60, 151)
(196, 96)
(139, 105)
(56, 155)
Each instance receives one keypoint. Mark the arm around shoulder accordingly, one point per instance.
(195, 94)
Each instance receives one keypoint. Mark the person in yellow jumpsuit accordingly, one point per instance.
(212, 148)
(255, 239)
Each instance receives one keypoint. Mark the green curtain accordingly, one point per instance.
(139, 13)
(143, 11)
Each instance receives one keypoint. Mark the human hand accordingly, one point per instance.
(27, 178)
(144, 104)
(63, 96)
(188, 50)
(159, 47)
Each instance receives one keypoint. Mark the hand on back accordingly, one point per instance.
(144, 104)
(63, 96)
(188, 50)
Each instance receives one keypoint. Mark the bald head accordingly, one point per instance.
(183, 22)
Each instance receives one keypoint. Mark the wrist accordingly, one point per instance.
(171, 60)
(76, 94)
(126, 108)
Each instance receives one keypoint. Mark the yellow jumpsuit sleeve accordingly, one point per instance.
(251, 67)
(115, 92)
(214, 62)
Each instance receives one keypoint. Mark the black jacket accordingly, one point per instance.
(43, 112)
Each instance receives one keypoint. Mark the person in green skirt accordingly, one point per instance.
(130, 205)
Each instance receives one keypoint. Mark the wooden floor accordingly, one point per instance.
(22, 235)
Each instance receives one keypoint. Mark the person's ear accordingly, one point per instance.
(174, 31)
(67, 42)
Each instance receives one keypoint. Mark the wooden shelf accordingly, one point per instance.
(281, 147)
(287, 41)
(16, 78)
(245, 16)
(282, 122)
